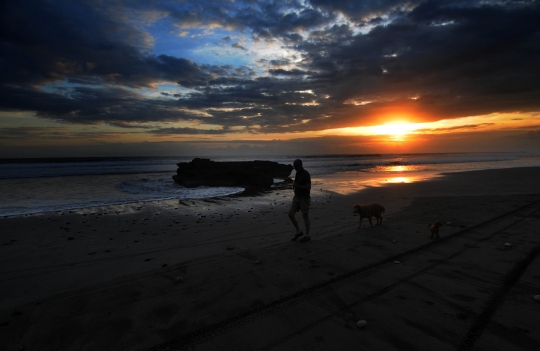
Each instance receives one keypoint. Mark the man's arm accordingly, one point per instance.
(308, 182)
(307, 186)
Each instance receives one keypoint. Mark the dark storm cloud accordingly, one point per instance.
(92, 105)
(282, 72)
(434, 59)
(43, 42)
(181, 71)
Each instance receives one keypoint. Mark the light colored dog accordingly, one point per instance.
(434, 229)
(368, 211)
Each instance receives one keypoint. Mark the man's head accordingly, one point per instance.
(297, 164)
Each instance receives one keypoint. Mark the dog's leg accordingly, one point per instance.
(370, 222)
(359, 220)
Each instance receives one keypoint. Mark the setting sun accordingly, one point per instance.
(396, 131)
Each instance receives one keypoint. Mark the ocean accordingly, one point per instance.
(40, 185)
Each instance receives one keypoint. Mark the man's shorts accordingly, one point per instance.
(301, 204)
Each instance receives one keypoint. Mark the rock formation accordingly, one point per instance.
(203, 171)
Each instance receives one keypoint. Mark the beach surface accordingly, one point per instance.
(223, 274)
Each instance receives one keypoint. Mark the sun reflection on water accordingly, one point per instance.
(350, 182)
(399, 180)
(400, 168)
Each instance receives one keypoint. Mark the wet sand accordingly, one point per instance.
(105, 278)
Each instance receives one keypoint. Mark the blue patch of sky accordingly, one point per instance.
(201, 45)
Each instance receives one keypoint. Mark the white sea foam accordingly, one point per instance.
(34, 195)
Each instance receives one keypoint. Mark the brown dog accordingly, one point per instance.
(368, 211)
(434, 229)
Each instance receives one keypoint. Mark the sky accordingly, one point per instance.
(244, 77)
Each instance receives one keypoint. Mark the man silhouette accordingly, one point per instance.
(301, 200)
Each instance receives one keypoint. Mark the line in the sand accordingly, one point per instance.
(496, 300)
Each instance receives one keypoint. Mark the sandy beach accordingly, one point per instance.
(222, 274)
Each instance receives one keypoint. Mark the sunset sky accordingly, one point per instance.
(245, 77)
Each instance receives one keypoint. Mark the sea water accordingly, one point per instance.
(41, 185)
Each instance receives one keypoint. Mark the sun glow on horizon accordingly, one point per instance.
(395, 131)
(400, 129)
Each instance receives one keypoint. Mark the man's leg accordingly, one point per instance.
(292, 216)
(305, 204)
(294, 221)
(307, 222)
(295, 207)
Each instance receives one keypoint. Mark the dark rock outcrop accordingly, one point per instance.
(203, 171)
